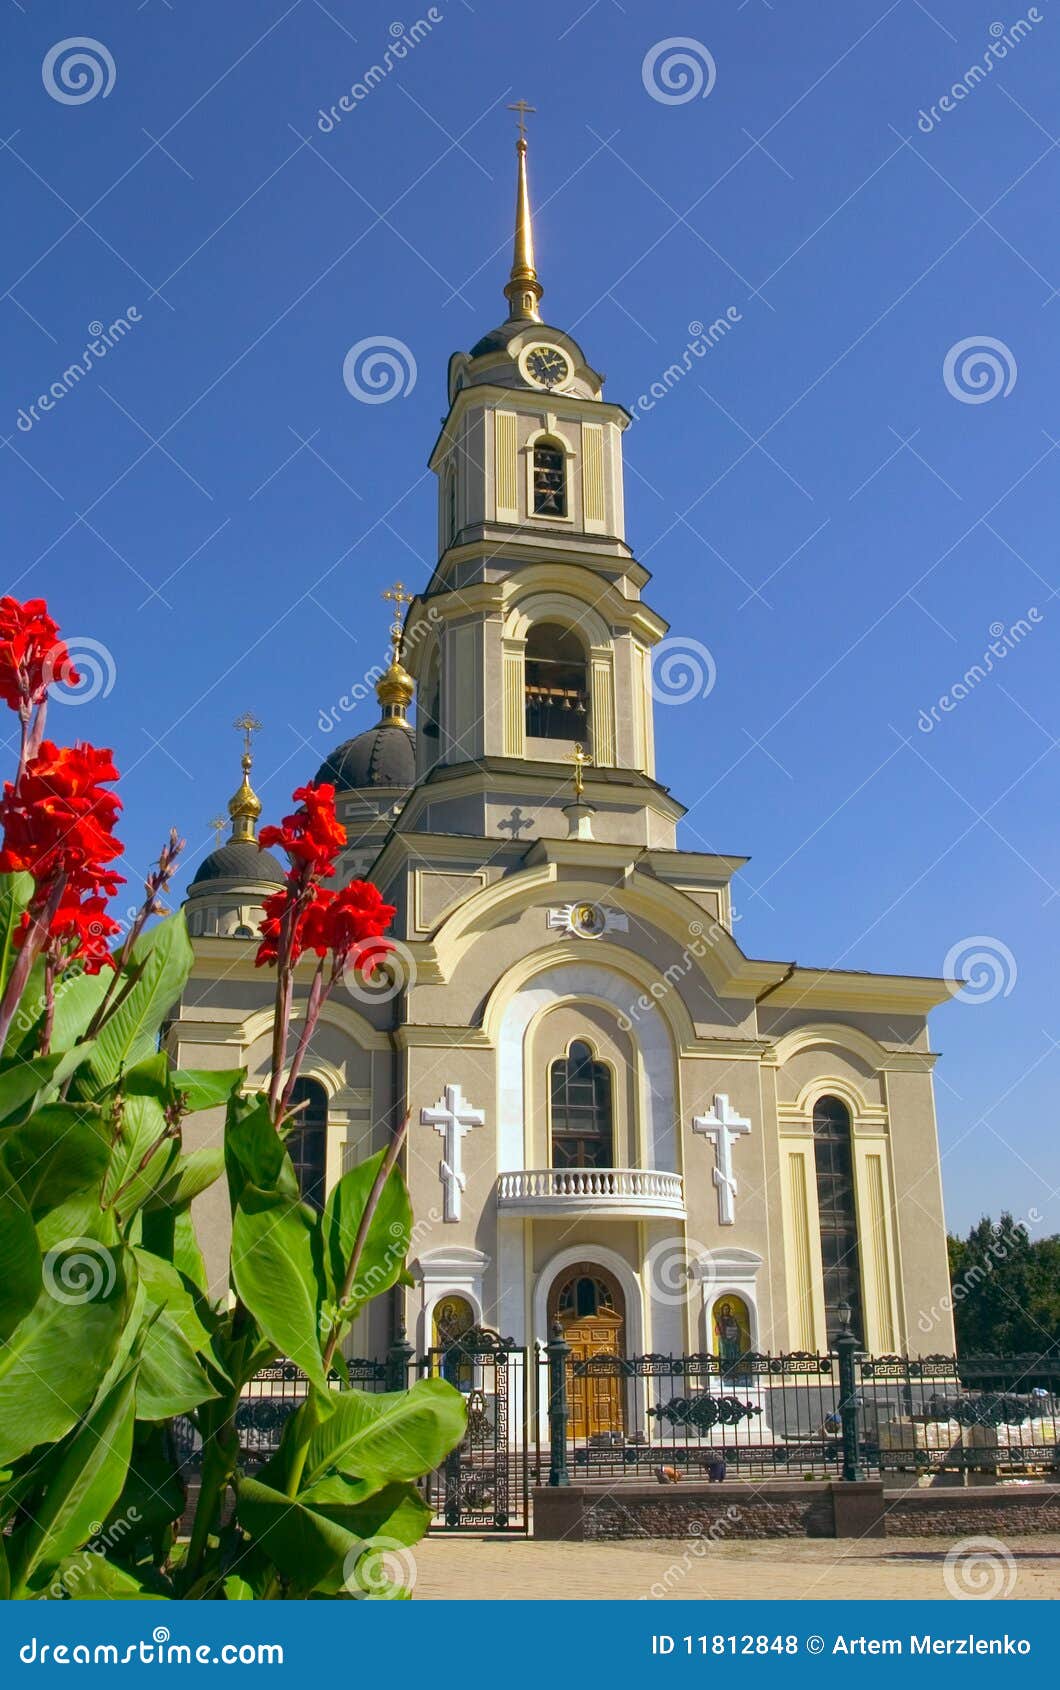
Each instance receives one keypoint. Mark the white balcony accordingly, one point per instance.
(591, 1191)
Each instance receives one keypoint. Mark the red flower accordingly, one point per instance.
(79, 932)
(31, 653)
(358, 914)
(313, 836)
(348, 924)
(59, 820)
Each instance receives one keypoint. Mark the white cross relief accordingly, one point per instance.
(452, 1118)
(724, 1128)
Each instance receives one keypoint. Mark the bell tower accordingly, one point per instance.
(539, 638)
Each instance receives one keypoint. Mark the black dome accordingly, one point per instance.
(383, 756)
(240, 859)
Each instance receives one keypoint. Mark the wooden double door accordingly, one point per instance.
(589, 1306)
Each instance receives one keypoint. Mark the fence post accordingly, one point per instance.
(557, 1351)
(398, 1357)
(847, 1345)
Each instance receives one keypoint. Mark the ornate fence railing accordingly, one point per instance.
(839, 1415)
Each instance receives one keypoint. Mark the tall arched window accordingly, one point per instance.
(837, 1211)
(557, 691)
(550, 479)
(307, 1141)
(580, 1095)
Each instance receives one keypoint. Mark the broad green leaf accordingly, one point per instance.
(26, 1084)
(20, 1259)
(89, 1577)
(61, 1149)
(237, 1589)
(205, 1088)
(160, 963)
(172, 1378)
(187, 1257)
(191, 1173)
(386, 1246)
(54, 1360)
(77, 997)
(134, 1169)
(254, 1152)
(388, 1434)
(16, 890)
(275, 1247)
(395, 1518)
(307, 1548)
(84, 1486)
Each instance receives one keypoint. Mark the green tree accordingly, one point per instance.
(1006, 1288)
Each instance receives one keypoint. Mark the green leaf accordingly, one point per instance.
(386, 1245)
(380, 1436)
(188, 1176)
(237, 1589)
(141, 1124)
(84, 1486)
(160, 964)
(254, 1152)
(187, 1257)
(305, 1546)
(61, 1149)
(77, 997)
(275, 1243)
(205, 1088)
(395, 1518)
(90, 1577)
(172, 1378)
(26, 1085)
(20, 1259)
(16, 890)
(55, 1358)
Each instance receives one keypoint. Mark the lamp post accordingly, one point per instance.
(847, 1346)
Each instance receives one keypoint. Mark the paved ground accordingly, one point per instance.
(518, 1569)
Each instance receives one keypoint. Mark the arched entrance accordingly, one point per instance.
(588, 1302)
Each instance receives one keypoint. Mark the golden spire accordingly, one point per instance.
(395, 687)
(244, 806)
(523, 290)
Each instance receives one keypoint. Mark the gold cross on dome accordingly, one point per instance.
(397, 596)
(248, 725)
(522, 108)
(219, 823)
(582, 761)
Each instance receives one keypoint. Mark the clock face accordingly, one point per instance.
(547, 366)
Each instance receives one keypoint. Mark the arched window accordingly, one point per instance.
(428, 706)
(557, 692)
(307, 1139)
(550, 479)
(580, 1095)
(837, 1211)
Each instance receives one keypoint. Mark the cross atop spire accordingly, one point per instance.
(244, 806)
(397, 596)
(523, 290)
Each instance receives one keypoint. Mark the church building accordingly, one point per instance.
(618, 1119)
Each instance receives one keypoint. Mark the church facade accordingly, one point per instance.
(618, 1119)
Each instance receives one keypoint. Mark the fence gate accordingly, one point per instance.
(484, 1485)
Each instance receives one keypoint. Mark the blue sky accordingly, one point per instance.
(820, 507)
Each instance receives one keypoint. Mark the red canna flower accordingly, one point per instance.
(31, 653)
(58, 820)
(79, 932)
(312, 836)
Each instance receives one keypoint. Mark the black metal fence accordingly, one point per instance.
(841, 1415)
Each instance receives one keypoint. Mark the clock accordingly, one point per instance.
(546, 366)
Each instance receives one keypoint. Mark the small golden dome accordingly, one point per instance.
(244, 806)
(395, 687)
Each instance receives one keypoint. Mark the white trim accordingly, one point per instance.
(633, 1335)
(724, 1273)
(454, 1271)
